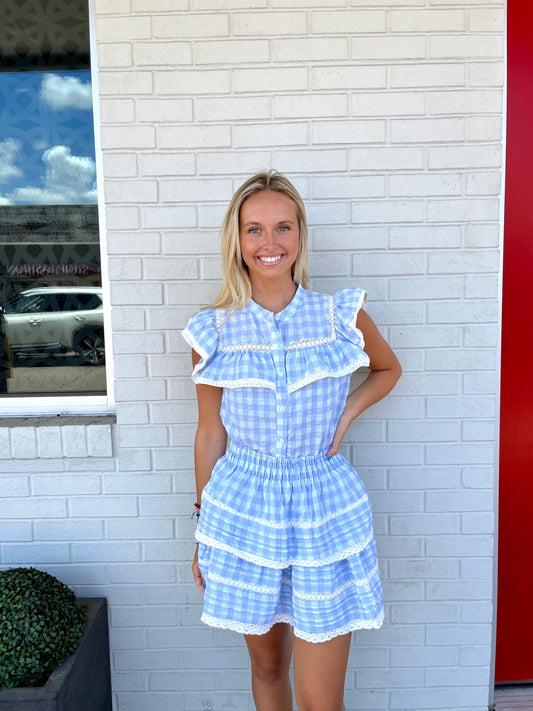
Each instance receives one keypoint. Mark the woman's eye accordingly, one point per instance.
(254, 231)
(284, 228)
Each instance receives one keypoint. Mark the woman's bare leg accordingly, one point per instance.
(270, 656)
(319, 673)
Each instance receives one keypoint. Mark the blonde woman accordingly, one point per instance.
(286, 553)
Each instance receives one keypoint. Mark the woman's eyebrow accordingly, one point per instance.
(280, 222)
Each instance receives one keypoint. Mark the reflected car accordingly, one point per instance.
(57, 320)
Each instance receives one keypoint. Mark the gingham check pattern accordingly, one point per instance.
(285, 535)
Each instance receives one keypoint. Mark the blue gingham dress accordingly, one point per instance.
(285, 534)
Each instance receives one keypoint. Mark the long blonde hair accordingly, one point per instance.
(236, 291)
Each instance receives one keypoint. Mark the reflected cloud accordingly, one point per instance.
(65, 92)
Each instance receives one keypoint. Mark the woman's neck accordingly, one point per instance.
(274, 297)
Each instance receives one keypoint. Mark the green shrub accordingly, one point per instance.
(41, 623)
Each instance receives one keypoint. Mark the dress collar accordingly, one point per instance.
(283, 315)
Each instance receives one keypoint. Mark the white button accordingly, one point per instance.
(276, 316)
(281, 439)
(281, 374)
(281, 408)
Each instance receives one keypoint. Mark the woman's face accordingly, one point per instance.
(269, 236)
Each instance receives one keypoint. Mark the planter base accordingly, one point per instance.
(82, 682)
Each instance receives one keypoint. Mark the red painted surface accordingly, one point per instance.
(514, 644)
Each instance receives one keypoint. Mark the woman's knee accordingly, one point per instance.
(270, 656)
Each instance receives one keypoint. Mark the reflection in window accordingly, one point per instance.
(51, 316)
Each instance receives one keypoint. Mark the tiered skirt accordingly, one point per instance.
(288, 540)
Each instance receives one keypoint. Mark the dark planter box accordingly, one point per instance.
(82, 682)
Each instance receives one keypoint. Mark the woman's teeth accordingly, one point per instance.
(270, 260)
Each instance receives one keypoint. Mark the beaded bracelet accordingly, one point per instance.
(196, 511)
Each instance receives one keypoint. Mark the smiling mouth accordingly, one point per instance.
(270, 260)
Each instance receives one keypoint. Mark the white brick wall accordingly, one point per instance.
(387, 116)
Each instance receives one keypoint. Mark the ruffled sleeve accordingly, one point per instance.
(348, 303)
(201, 334)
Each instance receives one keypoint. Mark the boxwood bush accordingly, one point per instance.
(41, 623)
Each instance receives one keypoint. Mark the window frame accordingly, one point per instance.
(24, 406)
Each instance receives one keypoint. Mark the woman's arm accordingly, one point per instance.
(384, 373)
(209, 445)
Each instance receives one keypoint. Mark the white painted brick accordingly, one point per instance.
(311, 161)
(117, 110)
(193, 293)
(131, 191)
(477, 522)
(486, 20)
(386, 158)
(136, 293)
(477, 568)
(389, 211)
(465, 102)
(278, 79)
(460, 407)
(229, 109)
(465, 46)
(460, 500)
(484, 183)
(310, 49)
(117, 29)
(349, 77)
(164, 110)
(141, 573)
(486, 74)
(459, 634)
(128, 137)
(68, 530)
(23, 442)
(124, 268)
(414, 76)
(474, 656)
(463, 261)
(194, 189)
(143, 6)
(49, 442)
(34, 508)
(480, 336)
(426, 478)
(429, 384)
(189, 25)
(274, 134)
(65, 484)
(389, 678)
(402, 613)
(120, 165)
(253, 24)
(169, 217)
(387, 47)
(348, 21)
(187, 81)
(483, 128)
(232, 52)
(426, 20)
(407, 263)
(101, 507)
(35, 553)
(424, 524)
(133, 389)
(237, 4)
(165, 53)
(183, 137)
(171, 268)
(16, 531)
(482, 383)
(478, 477)
(457, 359)
(125, 83)
(351, 238)
(377, 454)
(122, 218)
(134, 460)
(118, 7)
(351, 131)
(482, 156)
(114, 55)
(139, 528)
(348, 187)
(388, 104)
(15, 486)
(424, 130)
(413, 431)
(425, 237)
(436, 568)
(105, 551)
(484, 310)
(457, 677)
(143, 436)
(224, 162)
(479, 453)
(126, 318)
(425, 287)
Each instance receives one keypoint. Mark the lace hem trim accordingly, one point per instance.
(348, 369)
(242, 383)
(244, 628)
(266, 590)
(284, 524)
(267, 563)
(191, 340)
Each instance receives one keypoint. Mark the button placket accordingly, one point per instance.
(278, 355)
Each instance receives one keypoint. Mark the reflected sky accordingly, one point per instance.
(46, 138)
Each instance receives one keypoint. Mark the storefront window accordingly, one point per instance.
(51, 310)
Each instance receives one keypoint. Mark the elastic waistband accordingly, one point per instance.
(269, 465)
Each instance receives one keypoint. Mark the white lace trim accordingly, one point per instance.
(238, 383)
(244, 628)
(267, 590)
(348, 369)
(360, 305)
(191, 340)
(284, 524)
(309, 342)
(267, 563)
(246, 347)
